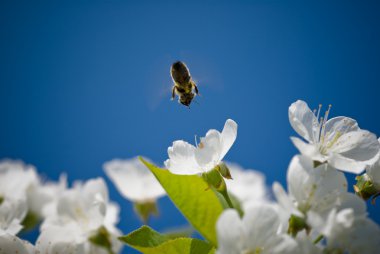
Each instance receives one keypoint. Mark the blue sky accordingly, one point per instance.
(85, 82)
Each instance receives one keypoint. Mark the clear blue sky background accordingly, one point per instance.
(84, 82)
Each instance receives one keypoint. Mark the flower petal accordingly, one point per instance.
(230, 233)
(309, 150)
(340, 124)
(261, 223)
(133, 180)
(284, 201)
(247, 185)
(314, 188)
(208, 152)
(228, 136)
(182, 159)
(373, 171)
(354, 150)
(302, 119)
(13, 244)
(61, 240)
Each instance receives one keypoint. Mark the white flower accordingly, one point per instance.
(310, 189)
(10, 244)
(305, 244)
(16, 179)
(43, 198)
(255, 233)
(79, 214)
(348, 232)
(62, 239)
(12, 212)
(19, 181)
(338, 141)
(248, 186)
(373, 172)
(133, 180)
(186, 159)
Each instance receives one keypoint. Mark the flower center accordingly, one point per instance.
(326, 140)
(320, 126)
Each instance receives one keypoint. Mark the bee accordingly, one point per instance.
(183, 84)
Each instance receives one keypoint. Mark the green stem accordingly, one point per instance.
(318, 239)
(227, 198)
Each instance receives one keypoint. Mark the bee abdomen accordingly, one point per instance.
(180, 73)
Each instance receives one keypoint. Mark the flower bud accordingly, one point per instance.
(365, 188)
(215, 179)
(224, 170)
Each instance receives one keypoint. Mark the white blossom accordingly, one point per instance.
(247, 185)
(373, 172)
(133, 180)
(310, 189)
(256, 232)
(43, 198)
(186, 159)
(16, 179)
(305, 244)
(10, 244)
(12, 213)
(79, 214)
(346, 231)
(338, 141)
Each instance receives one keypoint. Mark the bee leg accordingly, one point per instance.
(196, 89)
(173, 93)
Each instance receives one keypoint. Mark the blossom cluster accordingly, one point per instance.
(316, 214)
(71, 219)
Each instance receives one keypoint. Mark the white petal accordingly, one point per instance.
(354, 150)
(12, 213)
(61, 240)
(302, 119)
(182, 159)
(230, 233)
(247, 185)
(314, 188)
(373, 171)
(208, 152)
(284, 200)
(349, 200)
(364, 237)
(10, 244)
(305, 244)
(133, 180)
(228, 136)
(112, 218)
(261, 223)
(309, 150)
(16, 178)
(340, 124)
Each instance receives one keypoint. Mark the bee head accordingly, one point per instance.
(185, 99)
(178, 65)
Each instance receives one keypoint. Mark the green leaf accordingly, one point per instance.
(193, 197)
(149, 241)
(144, 237)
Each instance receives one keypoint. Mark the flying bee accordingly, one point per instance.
(183, 84)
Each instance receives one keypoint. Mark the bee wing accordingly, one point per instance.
(158, 95)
